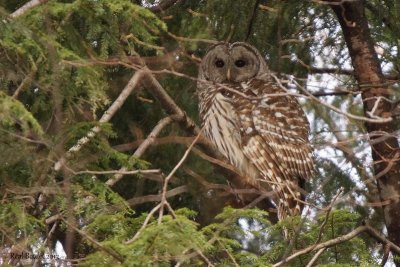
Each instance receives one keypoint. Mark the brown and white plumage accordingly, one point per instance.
(255, 124)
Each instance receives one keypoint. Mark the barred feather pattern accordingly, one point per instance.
(263, 132)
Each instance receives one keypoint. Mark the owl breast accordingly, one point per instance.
(221, 126)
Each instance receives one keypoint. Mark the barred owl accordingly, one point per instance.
(255, 124)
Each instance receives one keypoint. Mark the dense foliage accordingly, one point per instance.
(64, 63)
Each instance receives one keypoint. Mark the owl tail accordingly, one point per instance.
(290, 205)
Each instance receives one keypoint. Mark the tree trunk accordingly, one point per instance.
(375, 95)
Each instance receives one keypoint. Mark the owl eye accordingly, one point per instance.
(240, 63)
(219, 63)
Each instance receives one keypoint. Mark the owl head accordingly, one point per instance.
(236, 62)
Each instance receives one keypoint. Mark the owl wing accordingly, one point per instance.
(274, 132)
(282, 125)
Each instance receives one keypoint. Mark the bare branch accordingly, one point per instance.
(21, 86)
(267, 8)
(25, 8)
(146, 221)
(315, 257)
(183, 140)
(169, 105)
(164, 191)
(337, 110)
(328, 211)
(364, 228)
(155, 198)
(109, 251)
(155, 171)
(186, 39)
(163, 5)
(142, 148)
(108, 114)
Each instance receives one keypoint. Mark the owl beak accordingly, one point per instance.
(228, 74)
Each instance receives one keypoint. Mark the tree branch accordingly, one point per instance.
(109, 251)
(107, 115)
(364, 228)
(142, 148)
(25, 8)
(164, 191)
(170, 107)
(163, 5)
(155, 198)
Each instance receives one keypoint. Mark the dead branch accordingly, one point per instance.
(361, 229)
(164, 191)
(183, 140)
(171, 108)
(92, 240)
(267, 8)
(146, 221)
(186, 39)
(337, 110)
(142, 148)
(168, 104)
(155, 198)
(107, 115)
(25, 8)
(315, 257)
(328, 211)
(163, 5)
(155, 171)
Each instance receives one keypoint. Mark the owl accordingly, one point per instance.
(255, 124)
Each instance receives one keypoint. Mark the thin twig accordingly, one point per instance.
(164, 191)
(328, 211)
(337, 110)
(53, 228)
(146, 221)
(338, 240)
(142, 148)
(109, 251)
(186, 39)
